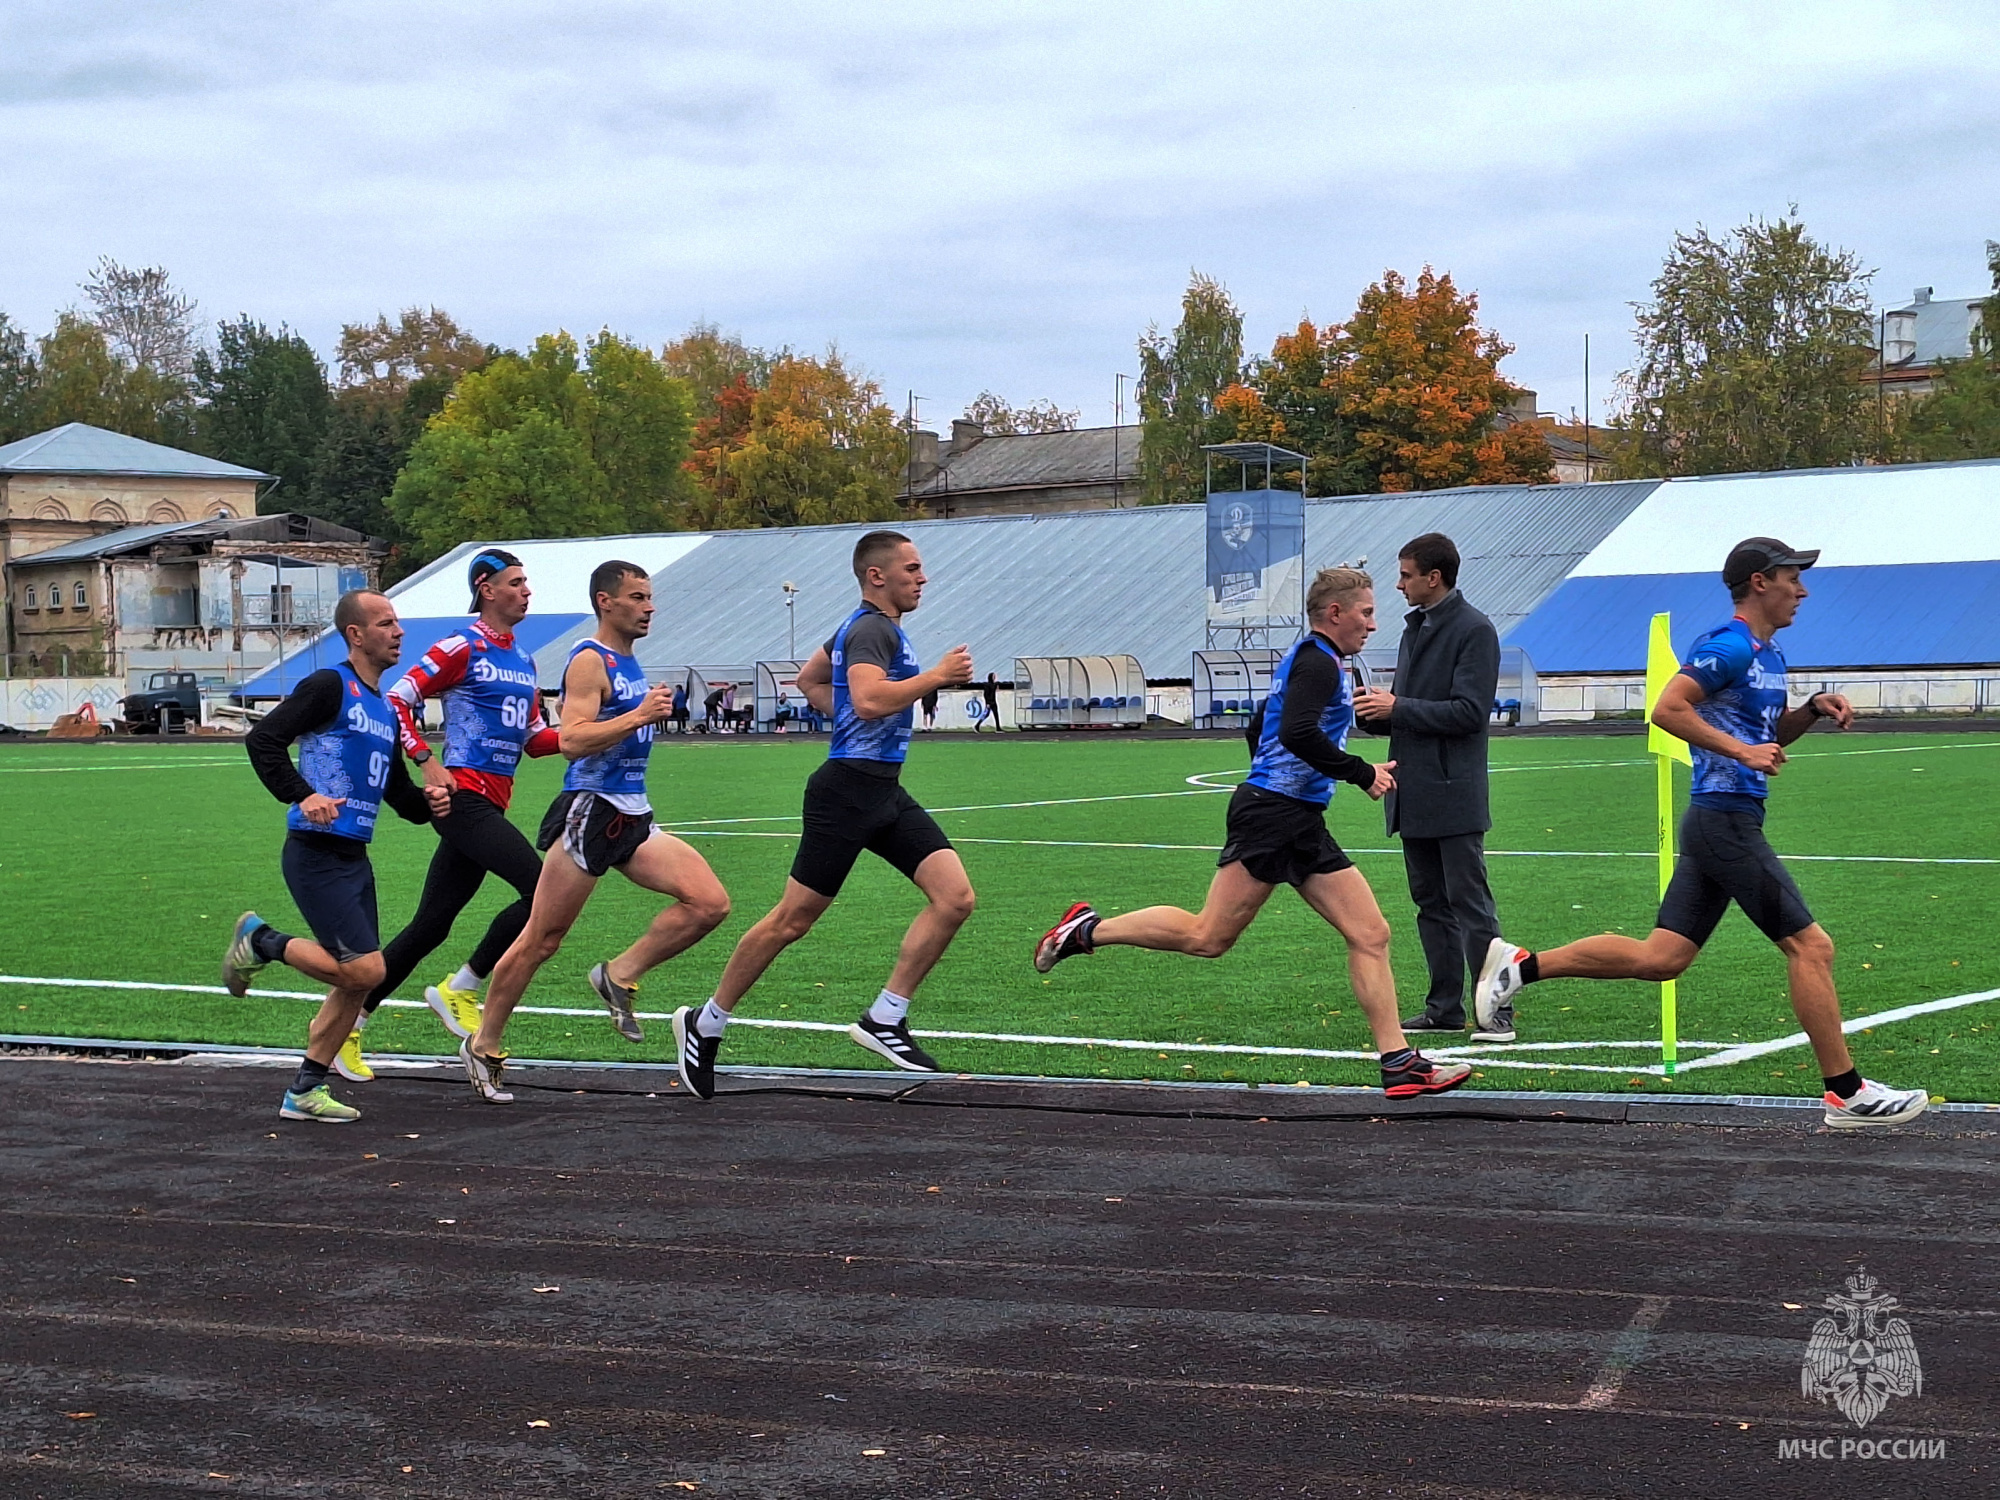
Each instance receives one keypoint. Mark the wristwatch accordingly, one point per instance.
(1812, 706)
(422, 757)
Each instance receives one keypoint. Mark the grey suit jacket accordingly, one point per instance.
(1446, 671)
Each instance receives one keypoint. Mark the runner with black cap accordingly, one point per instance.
(492, 717)
(1729, 703)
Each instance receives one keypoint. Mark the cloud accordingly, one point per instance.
(970, 199)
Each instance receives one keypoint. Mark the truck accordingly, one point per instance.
(171, 701)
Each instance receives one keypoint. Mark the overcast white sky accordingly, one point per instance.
(977, 196)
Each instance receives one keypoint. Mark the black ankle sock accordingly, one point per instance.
(1402, 1057)
(1531, 968)
(1087, 932)
(1847, 1085)
(310, 1076)
(269, 944)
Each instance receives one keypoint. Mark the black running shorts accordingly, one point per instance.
(1725, 857)
(333, 886)
(1279, 840)
(593, 833)
(847, 811)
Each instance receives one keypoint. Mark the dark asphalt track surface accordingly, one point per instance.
(953, 1295)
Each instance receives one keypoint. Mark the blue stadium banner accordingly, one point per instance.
(1256, 557)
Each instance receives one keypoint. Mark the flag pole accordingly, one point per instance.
(1669, 996)
(1661, 665)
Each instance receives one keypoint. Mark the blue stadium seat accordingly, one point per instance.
(1095, 703)
(1216, 708)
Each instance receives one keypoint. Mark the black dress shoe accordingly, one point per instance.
(1432, 1023)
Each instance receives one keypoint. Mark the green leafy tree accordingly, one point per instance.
(1751, 356)
(79, 379)
(550, 443)
(17, 382)
(1960, 418)
(394, 377)
(1180, 379)
(265, 404)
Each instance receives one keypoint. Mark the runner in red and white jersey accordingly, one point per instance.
(492, 717)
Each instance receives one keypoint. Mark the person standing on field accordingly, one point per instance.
(1447, 668)
(990, 691)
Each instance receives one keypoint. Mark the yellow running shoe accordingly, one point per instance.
(458, 1009)
(350, 1064)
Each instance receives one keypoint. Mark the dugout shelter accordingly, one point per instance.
(1079, 692)
(1229, 685)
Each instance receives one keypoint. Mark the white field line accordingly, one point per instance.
(685, 831)
(1752, 1050)
(154, 765)
(1508, 1057)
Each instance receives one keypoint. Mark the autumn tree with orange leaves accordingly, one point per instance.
(1405, 395)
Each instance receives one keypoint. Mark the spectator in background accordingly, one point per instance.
(711, 711)
(990, 691)
(729, 706)
(783, 716)
(930, 710)
(680, 714)
(1447, 668)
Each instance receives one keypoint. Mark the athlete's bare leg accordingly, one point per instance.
(1346, 900)
(780, 927)
(1235, 897)
(1809, 967)
(670, 866)
(948, 901)
(352, 983)
(559, 898)
(1663, 955)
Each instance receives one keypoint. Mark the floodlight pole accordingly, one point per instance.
(791, 618)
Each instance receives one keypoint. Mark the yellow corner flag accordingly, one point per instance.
(1661, 665)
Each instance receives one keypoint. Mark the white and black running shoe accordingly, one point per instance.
(1499, 982)
(619, 999)
(1069, 938)
(694, 1053)
(894, 1043)
(1874, 1104)
(485, 1073)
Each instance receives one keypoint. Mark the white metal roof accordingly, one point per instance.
(1915, 513)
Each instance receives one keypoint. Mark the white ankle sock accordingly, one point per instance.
(888, 1009)
(465, 979)
(711, 1019)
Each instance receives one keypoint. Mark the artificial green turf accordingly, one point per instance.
(130, 860)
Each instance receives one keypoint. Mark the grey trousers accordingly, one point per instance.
(1455, 916)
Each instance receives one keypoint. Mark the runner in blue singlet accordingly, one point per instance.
(602, 820)
(348, 767)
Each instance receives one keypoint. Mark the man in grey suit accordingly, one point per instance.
(1446, 670)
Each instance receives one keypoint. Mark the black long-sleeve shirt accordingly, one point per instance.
(1315, 679)
(314, 705)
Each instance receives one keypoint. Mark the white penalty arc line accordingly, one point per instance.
(1511, 1056)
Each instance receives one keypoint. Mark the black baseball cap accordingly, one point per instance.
(492, 561)
(1760, 554)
